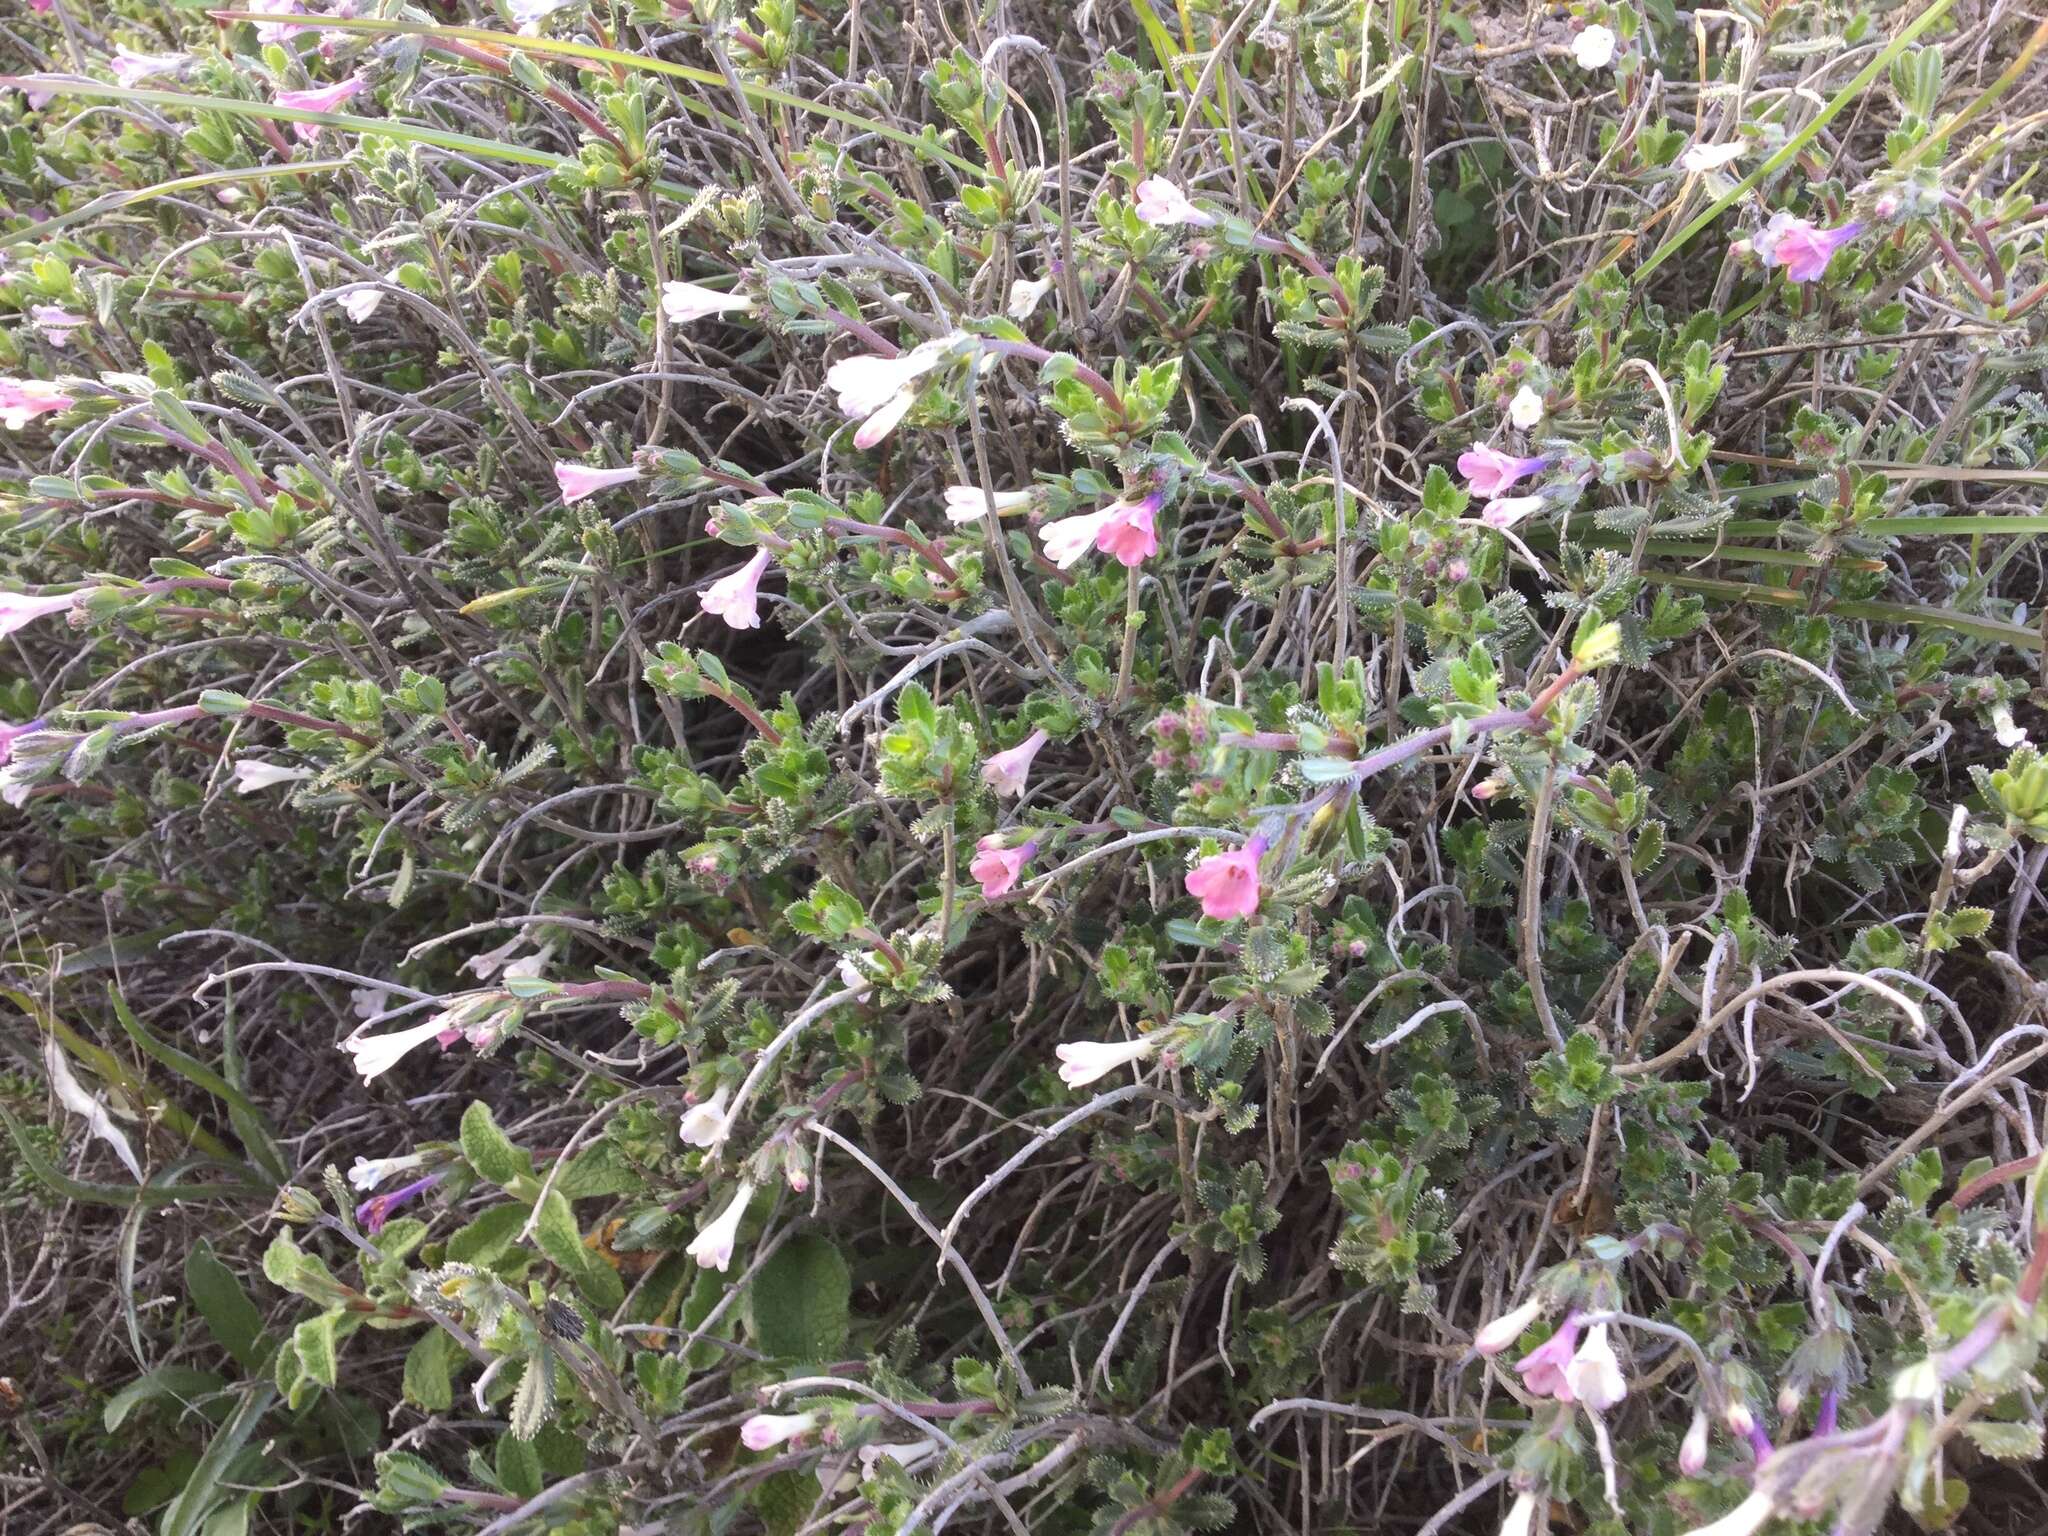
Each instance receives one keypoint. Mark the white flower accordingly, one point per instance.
(1594, 1374)
(252, 774)
(1526, 409)
(1594, 47)
(2008, 732)
(764, 1431)
(1084, 1061)
(361, 303)
(369, 1172)
(849, 973)
(486, 965)
(1508, 1327)
(368, 1002)
(712, 1247)
(969, 504)
(684, 302)
(1067, 539)
(130, 67)
(1711, 157)
(1025, 297)
(881, 390)
(526, 967)
(1521, 1516)
(72, 1095)
(529, 14)
(15, 785)
(1744, 1519)
(1506, 511)
(378, 1054)
(1160, 202)
(1692, 1451)
(703, 1125)
(909, 1455)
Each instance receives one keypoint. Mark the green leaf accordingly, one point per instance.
(314, 1341)
(428, 1382)
(490, 1152)
(555, 1230)
(197, 1499)
(533, 1403)
(797, 1305)
(484, 1241)
(177, 1381)
(231, 1317)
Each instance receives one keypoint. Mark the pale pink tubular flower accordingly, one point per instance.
(1006, 772)
(1799, 246)
(130, 67)
(970, 504)
(1692, 1451)
(997, 867)
(18, 610)
(1543, 1370)
(1488, 471)
(321, 98)
(735, 598)
(764, 1431)
(1506, 511)
(1595, 1374)
(1082, 1062)
(42, 7)
(684, 302)
(1508, 1327)
(9, 734)
(1161, 203)
(712, 1247)
(577, 481)
(377, 1054)
(1227, 884)
(22, 400)
(56, 324)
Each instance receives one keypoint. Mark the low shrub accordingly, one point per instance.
(1111, 768)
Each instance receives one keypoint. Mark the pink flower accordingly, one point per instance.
(577, 481)
(378, 1209)
(1005, 772)
(997, 867)
(1543, 1369)
(23, 399)
(9, 734)
(1161, 203)
(1129, 535)
(1227, 884)
(130, 67)
(1488, 471)
(42, 7)
(321, 98)
(736, 598)
(18, 610)
(1124, 529)
(1508, 1327)
(1802, 249)
(764, 1431)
